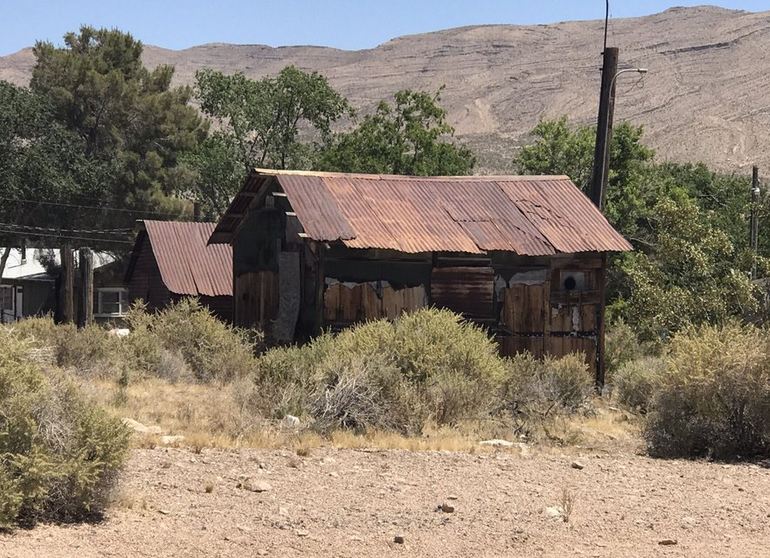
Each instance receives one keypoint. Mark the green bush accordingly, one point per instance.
(621, 345)
(428, 364)
(714, 399)
(59, 455)
(637, 381)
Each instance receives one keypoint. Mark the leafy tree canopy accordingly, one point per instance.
(127, 116)
(406, 138)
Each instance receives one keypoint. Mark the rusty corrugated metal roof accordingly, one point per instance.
(528, 215)
(188, 265)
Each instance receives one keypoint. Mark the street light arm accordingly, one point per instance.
(641, 71)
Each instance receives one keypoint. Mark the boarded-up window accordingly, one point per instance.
(465, 290)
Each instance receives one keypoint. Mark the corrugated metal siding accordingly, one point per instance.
(527, 215)
(188, 266)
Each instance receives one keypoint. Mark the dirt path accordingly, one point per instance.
(353, 503)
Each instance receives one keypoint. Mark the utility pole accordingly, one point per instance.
(86, 315)
(604, 127)
(67, 288)
(754, 226)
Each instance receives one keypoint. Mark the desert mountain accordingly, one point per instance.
(706, 96)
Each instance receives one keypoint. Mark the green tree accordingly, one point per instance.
(266, 117)
(126, 115)
(691, 273)
(408, 139)
(39, 160)
(219, 172)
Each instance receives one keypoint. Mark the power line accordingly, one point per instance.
(68, 237)
(96, 207)
(72, 231)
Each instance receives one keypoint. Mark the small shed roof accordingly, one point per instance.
(188, 265)
(528, 215)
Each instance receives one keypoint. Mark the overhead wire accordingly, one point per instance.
(94, 207)
(68, 237)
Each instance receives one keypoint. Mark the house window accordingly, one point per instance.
(111, 302)
(6, 297)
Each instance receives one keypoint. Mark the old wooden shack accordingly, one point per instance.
(171, 260)
(525, 256)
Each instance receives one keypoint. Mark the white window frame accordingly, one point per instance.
(122, 302)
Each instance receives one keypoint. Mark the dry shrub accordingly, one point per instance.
(429, 363)
(637, 381)
(92, 351)
(714, 399)
(209, 349)
(537, 391)
(59, 455)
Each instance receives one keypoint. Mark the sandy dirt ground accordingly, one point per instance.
(174, 502)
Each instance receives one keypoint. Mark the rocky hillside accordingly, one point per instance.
(706, 96)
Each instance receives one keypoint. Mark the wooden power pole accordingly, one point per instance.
(754, 228)
(67, 289)
(86, 315)
(604, 127)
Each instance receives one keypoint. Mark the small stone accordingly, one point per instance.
(398, 539)
(497, 443)
(137, 426)
(302, 533)
(258, 486)
(451, 497)
(554, 512)
(447, 508)
(577, 465)
(667, 542)
(291, 421)
(164, 512)
(524, 449)
(166, 440)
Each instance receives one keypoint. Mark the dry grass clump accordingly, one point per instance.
(59, 454)
(714, 398)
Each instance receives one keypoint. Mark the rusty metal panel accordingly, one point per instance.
(564, 215)
(188, 266)
(465, 290)
(316, 208)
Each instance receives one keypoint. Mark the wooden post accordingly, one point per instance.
(600, 325)
(604, 127)
(86, 314)
(320, 287)
(67, 291)
(754, 233)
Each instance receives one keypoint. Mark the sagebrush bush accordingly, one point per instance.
(637, 381)
(211, 348)
(714, 399)
(59, 454)
(428, 364)
(544, 388)
(90, 350)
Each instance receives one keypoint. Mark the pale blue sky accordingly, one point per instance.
(348, 24)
